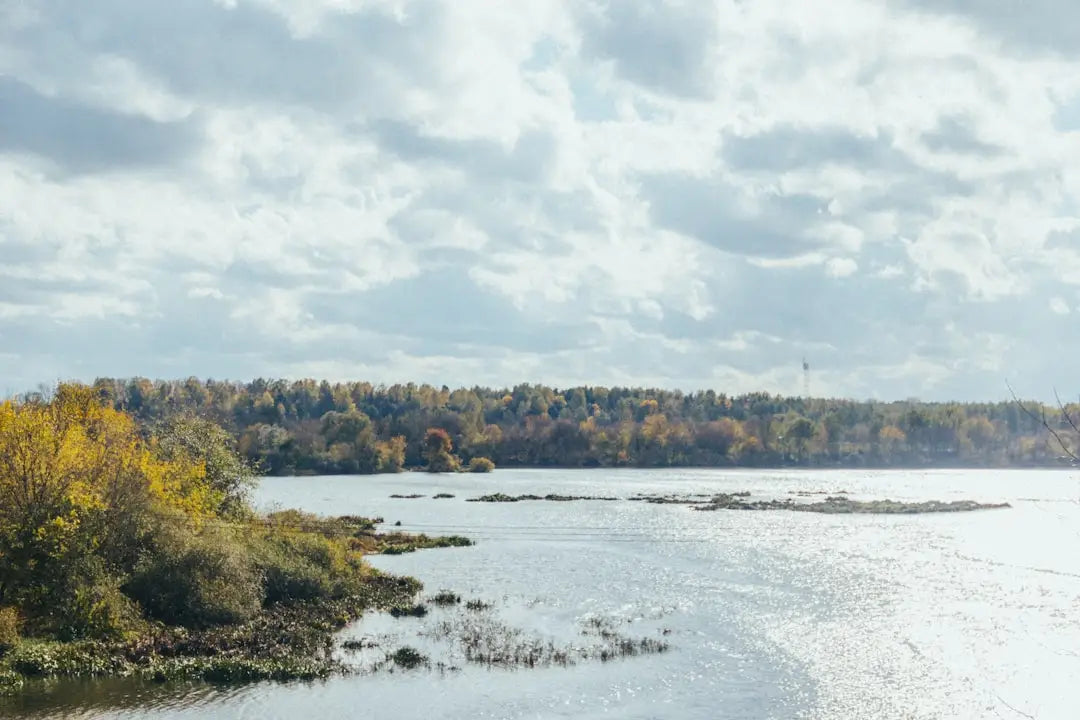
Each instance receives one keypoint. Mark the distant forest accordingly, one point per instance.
(308, 427)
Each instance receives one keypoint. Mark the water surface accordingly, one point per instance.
(770, 614)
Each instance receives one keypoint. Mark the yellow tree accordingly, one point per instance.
(891, 440)
(77, 482)
(438, 451)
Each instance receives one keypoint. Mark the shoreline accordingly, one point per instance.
(761, 468)
(284, 641)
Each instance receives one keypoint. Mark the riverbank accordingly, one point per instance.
(935, 464)
(286, 640)
(281, 643)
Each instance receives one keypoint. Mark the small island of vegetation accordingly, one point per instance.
(128, 549)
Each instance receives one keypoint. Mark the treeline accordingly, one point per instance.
(306, 426)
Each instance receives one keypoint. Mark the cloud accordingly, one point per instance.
(78, 138)
(663, 46)
(840, 267)
(1039, 26)
(954, 134)
(666, 192)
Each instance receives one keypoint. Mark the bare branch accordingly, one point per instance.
(1065, 412)
(1015, 710)
(1041, 419)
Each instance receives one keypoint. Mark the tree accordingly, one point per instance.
(799, 432)
(481, 465)
(438, 451)
(891, 441)
(307, 426)
(194, 439)
(719, 436)
(80, 489)
(977, 437)
(391, 455)
(351, 441)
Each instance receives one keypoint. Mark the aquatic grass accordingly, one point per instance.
(237, 670)
(418, 610)
(841, 505)
(398, 543)
(550, 497)
(600, 627)
(355, 645)
(837, 503)
(408, 658)
(484, 640)
(11, 682)
(622, 647)
(445, 598)
(59, 659)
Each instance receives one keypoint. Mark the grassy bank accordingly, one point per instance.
(279, 643)
(311, 582)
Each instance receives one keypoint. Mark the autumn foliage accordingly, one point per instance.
(310, 427)
(439, 451)
(105, 527)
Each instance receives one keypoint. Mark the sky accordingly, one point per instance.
(677, 193)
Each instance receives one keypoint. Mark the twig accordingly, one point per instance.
(1041, 419)
(1018, 712)
(1066, 412)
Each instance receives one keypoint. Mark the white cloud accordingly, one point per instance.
(466, 192)
(889, 271)
(840, 267)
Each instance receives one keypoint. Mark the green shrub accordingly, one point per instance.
(100, 611)
(481, 465)
(197, 579)
(291, 578)
(9, 628)
(302, 566)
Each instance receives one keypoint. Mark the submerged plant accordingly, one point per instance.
(408, 658)
(359, 644)
(445, 597)
(484, 640)
(419, 610)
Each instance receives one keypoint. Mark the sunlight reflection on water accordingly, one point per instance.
(770, 614)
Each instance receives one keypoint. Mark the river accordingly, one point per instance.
(768, 614)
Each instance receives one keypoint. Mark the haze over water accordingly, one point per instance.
(769, 614)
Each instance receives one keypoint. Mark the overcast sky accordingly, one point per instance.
(682, 193)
